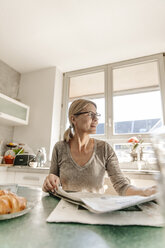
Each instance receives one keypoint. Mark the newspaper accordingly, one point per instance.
(102, 203)
(147, 215)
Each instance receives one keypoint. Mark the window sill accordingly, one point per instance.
(139, 165)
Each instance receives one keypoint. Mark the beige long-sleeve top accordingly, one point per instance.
(89, 177)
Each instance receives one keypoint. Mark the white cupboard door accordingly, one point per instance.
(7, 177)
(32, 179)
(13, 112)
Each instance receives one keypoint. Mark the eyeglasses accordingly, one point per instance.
(93, 115)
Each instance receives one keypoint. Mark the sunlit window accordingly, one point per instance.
(129, 96)
(137, 113)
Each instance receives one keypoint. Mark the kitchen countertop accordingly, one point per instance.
(42, 170)
(32, 230)
(45, 170)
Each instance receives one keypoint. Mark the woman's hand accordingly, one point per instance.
(147, 191)
(51, 183)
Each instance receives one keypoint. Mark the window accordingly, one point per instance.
(134, 88)
(90, 86)
(129, 95)
(137, 113)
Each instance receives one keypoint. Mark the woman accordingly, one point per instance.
(79, 162)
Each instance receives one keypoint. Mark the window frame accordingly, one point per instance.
(108, 94)
(116, 138)
(65, 97)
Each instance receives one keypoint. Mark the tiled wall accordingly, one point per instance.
(9, 85)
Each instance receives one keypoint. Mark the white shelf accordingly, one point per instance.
(12, 112)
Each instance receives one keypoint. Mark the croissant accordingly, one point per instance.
(11, 203)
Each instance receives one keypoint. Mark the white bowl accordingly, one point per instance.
(33, 164)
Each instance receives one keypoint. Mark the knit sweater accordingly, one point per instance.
(89, 177)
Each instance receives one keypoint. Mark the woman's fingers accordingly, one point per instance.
(150, 190)
(154, 189)
(57, 183)
(51, 182)
(47, 186)
(54, 181)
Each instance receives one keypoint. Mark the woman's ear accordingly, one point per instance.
(73, 119)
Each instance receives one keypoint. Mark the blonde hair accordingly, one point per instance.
(76, 107)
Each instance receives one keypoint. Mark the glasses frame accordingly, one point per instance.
(93, 115)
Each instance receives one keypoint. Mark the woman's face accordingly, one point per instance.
(86, 122)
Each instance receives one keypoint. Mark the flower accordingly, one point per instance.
(135, 142)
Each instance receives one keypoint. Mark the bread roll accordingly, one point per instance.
(11, 203)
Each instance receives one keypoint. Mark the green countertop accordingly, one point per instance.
(32, 230)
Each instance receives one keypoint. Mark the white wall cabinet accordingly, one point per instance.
(12, 112)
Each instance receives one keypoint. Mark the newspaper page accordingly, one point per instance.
(101, 203)
(147, 215)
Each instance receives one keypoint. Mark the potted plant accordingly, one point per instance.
(136, 149)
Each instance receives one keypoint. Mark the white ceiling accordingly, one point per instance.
(75, 34)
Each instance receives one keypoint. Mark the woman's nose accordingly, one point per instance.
(95, 119)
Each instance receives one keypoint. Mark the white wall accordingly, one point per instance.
(41, 90)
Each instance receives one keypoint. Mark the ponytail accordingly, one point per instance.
(68, 135)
